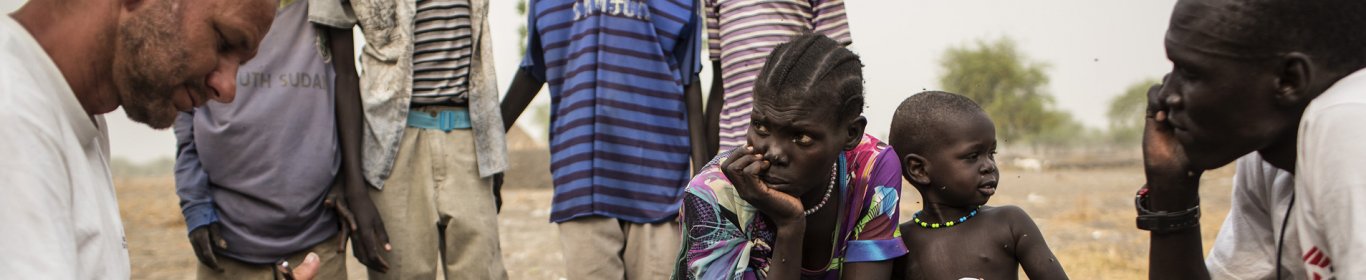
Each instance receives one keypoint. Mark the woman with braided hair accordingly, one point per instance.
(809, 196)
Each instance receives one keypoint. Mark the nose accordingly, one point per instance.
(773, 152)
(223, 80)
(989, 167)
(1173, 101)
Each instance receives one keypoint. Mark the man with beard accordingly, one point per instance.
(65, 63)
(1280, 84)
(260, 179)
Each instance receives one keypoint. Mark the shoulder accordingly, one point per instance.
(874, 160)
(868, 147)
(30, 111)
(1340, 107)
(1003, 212)
(1019, 221)
(1334, 117)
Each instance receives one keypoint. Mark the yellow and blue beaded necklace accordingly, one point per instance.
(916, 219)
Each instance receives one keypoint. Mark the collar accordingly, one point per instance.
(48, 76)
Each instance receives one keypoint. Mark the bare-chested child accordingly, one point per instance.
(947, 144)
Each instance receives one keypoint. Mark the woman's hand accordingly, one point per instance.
(743, 168)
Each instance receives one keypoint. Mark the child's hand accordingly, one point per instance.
(743, 170)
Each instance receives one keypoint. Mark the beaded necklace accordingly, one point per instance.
(834, 175)
(916, 219)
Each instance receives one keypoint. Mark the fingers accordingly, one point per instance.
(371, 240)
(737, 161)
(218, 241)
(1155, 100)
(308, 269)
(381, 234)
(378, 259)
(758, 166)
(348, 218)
(203, 249)
(341, 242)
(373, 258)
(735, 156)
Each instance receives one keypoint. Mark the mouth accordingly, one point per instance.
(987, 188)
(1176, 125)
(779, 184)
(773, 180)
(185, 100)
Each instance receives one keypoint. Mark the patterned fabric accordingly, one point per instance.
(387, 81)
(742, 33)
(616, 71)
(726, 238)
(441, 52)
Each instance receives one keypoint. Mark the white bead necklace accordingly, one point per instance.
(834, 176)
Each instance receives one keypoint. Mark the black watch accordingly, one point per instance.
(1163, 221)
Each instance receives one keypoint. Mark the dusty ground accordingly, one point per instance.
(1086, 215)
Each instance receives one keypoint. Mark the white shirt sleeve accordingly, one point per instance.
(37, 236)
(1331, 189)
(1246, 244)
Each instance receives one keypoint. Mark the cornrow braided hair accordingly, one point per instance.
(813, 69)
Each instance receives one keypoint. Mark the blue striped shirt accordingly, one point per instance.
(617, 71)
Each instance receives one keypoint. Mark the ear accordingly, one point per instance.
(1294, 79)
(916, 169)
(855, 132)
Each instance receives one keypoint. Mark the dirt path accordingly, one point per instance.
(1086, 216)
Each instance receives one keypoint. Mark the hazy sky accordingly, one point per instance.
(1094, 49)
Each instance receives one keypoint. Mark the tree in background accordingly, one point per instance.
(521, 30)
(1011, 89)
(1126, 113)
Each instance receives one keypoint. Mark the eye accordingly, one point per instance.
(971, 157)
(803, 139)
(223, 45)
(1184, 73)
(761, 129)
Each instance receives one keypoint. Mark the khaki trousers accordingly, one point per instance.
(331, 265)
(436, 208)
(599, 247)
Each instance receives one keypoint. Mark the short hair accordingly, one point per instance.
(920, 120)
(1331, 31)
(813, 64)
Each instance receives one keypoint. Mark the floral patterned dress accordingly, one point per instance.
(726, 238)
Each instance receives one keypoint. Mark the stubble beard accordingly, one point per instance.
(150, 64)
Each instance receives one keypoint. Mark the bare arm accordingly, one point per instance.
(1176, 255)
(697, 126)
(715, 99)
(743, 168)
(369, 235)
(787, 253)
(1031, 249)
(524, 88)
(1172, 186)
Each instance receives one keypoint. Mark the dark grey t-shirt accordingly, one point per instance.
(272, 154)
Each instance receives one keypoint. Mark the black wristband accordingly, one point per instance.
(1163, 221)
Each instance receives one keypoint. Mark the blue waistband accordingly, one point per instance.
(445, 120)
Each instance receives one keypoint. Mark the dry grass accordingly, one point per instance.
(1086, 216)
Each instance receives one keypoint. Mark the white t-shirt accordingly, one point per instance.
(1330, 182)
(1246, 245)
(59, 217)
